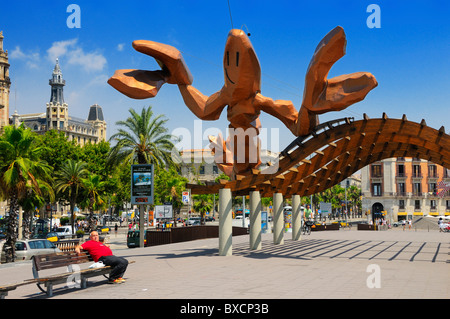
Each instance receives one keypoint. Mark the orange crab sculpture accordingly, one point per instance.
(241, 92)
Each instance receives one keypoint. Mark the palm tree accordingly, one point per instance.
(93, 188)
(202, 204)
(70, 179)
(144, 140)
(33, 200)
(354, 195)
(21, 170)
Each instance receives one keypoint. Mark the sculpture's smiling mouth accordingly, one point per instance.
(226, 73)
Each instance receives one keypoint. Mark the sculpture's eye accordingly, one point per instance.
(237, 58)
(228, 58)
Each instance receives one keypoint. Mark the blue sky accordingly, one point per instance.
(409, 54)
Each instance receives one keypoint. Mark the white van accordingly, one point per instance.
(64, 232)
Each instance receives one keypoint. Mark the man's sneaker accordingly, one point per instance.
(121, 279)
(115, 281)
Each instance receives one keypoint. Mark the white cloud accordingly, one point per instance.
(32, 59)
(120, 46)
(60, 49)
(75, 55)
(89, 61)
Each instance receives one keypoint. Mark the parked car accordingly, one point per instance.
(64, 232)
(342, 223)
(51, 236)
(25, 249)
(210, 219)
(194, 221)
(103, 229)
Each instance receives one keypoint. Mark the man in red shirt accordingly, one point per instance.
(103, 253)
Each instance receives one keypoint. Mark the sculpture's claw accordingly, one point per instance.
(169, 59)
(137, 84)
(324, 95)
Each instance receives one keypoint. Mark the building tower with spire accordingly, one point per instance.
(57, 109)
(56, 117)
(5, 85)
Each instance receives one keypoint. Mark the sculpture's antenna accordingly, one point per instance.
(248, 33)
(231, 18)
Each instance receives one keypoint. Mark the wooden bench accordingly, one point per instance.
(5, 289)
(73, 275)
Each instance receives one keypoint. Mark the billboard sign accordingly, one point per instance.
(142, 184)
(163, 211)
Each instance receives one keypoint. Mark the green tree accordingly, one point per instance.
(202, 204)
(354, 195)
(32, 201)
(21, 169)
(94, 199)
(57, 149)
(69, 180)
(169, 185)
(144, 139)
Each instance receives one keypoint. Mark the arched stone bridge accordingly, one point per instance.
(334, 151)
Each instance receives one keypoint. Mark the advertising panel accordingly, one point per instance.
(142, 184)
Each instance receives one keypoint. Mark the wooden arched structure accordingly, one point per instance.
(334, 151)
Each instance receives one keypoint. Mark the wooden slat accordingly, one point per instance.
(50, 261)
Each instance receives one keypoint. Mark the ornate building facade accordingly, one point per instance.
(5, 85)
(56, 116)
(405, 188)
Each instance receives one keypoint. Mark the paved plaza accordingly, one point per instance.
(348, 264)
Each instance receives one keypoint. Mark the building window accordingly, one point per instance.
(400, 170)
(432, 188)
(447, 205)
(417, 204)
(417, 189)
(401, 189)
(416, 171)
(376, 189)
(446, 173)
(215, 169)
(401, 204)
(376, 171)
(432, 171)
(61, 125)
(433, 205)
(202, 170)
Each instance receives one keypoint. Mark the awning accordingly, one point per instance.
(418, 214)
(434, 214)
(402, 214)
